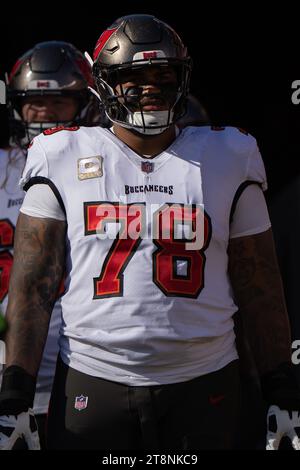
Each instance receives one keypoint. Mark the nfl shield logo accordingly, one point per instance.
(147, 167)
(81, 403)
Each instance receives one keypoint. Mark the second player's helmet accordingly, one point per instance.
(49, 68)
(133, 42)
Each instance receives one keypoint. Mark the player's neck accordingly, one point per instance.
(146, 145)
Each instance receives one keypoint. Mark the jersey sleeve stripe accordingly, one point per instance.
(238, 194)
(42, 180)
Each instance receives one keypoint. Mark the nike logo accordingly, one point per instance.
(215, 400)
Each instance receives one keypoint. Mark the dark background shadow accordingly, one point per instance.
(242, 73)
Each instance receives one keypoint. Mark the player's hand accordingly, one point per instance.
(281, 391)
(17, 421)
(282, 423)
(22, 426)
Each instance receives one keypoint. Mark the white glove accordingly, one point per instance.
(282, 423)
(21, 426)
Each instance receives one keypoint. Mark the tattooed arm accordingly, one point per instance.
(258, 292)
(39, 258)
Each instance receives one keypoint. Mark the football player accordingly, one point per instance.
(48, 86)
(161, 244)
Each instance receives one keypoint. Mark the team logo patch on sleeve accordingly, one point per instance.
(91, 167)
(81, 403)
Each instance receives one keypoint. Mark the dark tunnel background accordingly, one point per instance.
(243, 66)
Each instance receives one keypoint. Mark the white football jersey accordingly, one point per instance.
(12, 163)
(148, 299)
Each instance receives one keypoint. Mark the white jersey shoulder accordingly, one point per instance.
(234, 138)
(229, 147)
(61, 139)
(231, 138)
(48, 150)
